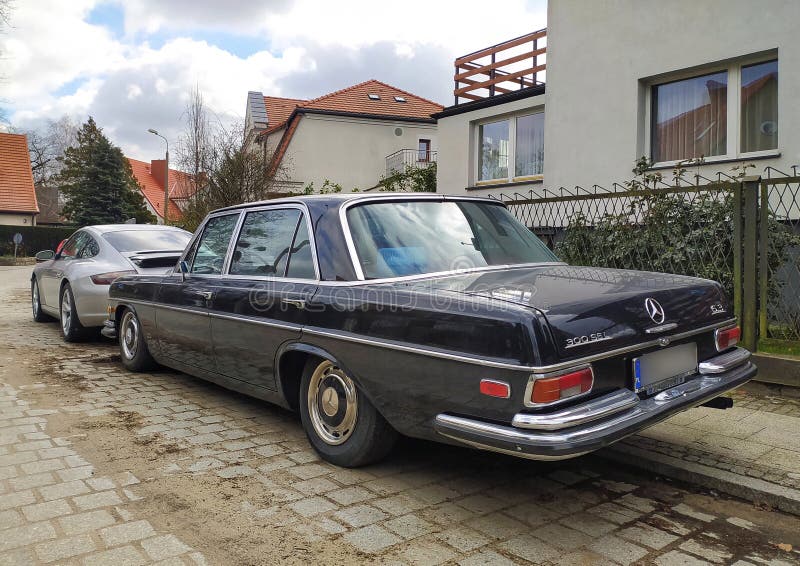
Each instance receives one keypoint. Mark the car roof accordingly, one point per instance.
(337, 199)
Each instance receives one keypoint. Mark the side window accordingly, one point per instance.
(213, 245)
(90, 249)
(301, 260)
(265, 243)
(74, 245)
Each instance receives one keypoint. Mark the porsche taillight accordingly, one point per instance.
(563, 386)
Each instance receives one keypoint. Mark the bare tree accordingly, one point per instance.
(224, 172)
(47, 146)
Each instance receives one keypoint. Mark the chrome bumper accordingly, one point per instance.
(109, 329)
(597, 423)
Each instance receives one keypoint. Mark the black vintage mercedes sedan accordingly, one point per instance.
(437, 317)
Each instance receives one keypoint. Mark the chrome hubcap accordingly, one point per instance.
(66, 312)
(332, 403)
(129, 335)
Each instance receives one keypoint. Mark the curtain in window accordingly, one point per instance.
(690, 118)
(494, 150)
(529, 150)
(760, 107)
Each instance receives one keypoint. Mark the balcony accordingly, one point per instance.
(503, 68)
(401, 159)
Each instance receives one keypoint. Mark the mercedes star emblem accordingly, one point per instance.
(655, 310)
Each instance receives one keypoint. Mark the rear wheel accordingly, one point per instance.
(132, 345)
(341, 423)
(71, 327)
(36, 303)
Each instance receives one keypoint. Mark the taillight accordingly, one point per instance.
(494, 388)
(108, 278)
(564, 386)
(727, 337)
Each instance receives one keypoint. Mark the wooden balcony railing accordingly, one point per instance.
(512, 65)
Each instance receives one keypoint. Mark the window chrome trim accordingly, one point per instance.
(351, 248)
(306, 216)
(195, 239)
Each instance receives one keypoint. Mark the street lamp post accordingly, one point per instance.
(166, 175)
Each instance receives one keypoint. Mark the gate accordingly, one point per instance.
(743, 232)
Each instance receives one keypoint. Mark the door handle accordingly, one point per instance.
(207, 295)
(299, 303)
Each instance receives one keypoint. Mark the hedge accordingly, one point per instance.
(34, 238)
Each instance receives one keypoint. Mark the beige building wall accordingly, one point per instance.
(17, 219)
(603, 55)
(348, 151)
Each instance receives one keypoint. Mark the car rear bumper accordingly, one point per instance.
(601, 421)
(109, 329)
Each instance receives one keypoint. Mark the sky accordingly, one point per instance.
(131, 64)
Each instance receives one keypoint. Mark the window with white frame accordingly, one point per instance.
(726, 113)
(511, 149)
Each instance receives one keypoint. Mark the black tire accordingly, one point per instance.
(71, 327)
(133, 348)
(340, 422)
(36, 303)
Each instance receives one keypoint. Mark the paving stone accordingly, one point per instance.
(448, 513)
(360, 515)
(210, 438)
(677, 558)
(26, 534)
(100, 499)
(350, 495)
(684, 509)
(710, 553)
(163, 547)
(463, 538)
(101, 484)
(425, 553)
(371, 539)
(31, 480)
(47, 510)
(270, 450)
(308, 471)
(42, 466)
(672, 525)
(618, 550)
(312, 506)
(122, 556)
(481, 503)
(530, 548)
(17, 499)
(615, 513)
(648, 536)
(236, 472)
(126, 532)
(589, 524)
(205, 464)
(314, 486)
(497, 525)
(408, 526)
(64, 548)
(10, 518)
(486, 558)
(564, 537)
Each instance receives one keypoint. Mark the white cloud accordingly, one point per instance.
(54, 62)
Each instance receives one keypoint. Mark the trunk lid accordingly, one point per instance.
(591, 310)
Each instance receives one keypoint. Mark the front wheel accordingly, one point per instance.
(132, 346)
(341, 424)
(36, 303)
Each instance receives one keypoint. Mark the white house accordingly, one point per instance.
(610, 81)
(351, 137)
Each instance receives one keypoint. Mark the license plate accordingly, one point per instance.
(665, 368)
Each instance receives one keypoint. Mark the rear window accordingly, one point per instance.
(148, 240)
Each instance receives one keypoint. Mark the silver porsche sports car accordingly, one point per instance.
(72, 283)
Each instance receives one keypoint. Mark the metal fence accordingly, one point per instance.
(744, 233)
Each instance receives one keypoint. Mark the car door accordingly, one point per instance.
(51, 276)
(182, 324)
(260, 302)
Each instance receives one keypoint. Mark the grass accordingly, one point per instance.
(780, 347)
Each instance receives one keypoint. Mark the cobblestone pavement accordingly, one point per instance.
(102, 466)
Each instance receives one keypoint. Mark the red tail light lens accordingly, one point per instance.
(108, 278)
(727, 337)
(550, 389)
(494, 388)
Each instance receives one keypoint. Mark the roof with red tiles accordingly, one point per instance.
(370, 98)
(151, 178)
(17, 193)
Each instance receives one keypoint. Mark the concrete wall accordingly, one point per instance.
(348, 151)
(602, 55)
(17, 219)
(457, 167)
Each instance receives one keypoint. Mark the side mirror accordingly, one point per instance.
(44, 255)
(184, 267)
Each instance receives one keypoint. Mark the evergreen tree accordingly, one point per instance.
(98, 183)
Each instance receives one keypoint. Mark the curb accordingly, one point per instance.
(751, 489)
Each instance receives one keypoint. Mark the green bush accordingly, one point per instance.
(34, 238)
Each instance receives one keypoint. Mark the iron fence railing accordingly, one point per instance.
(742, 232)
(401, 159)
